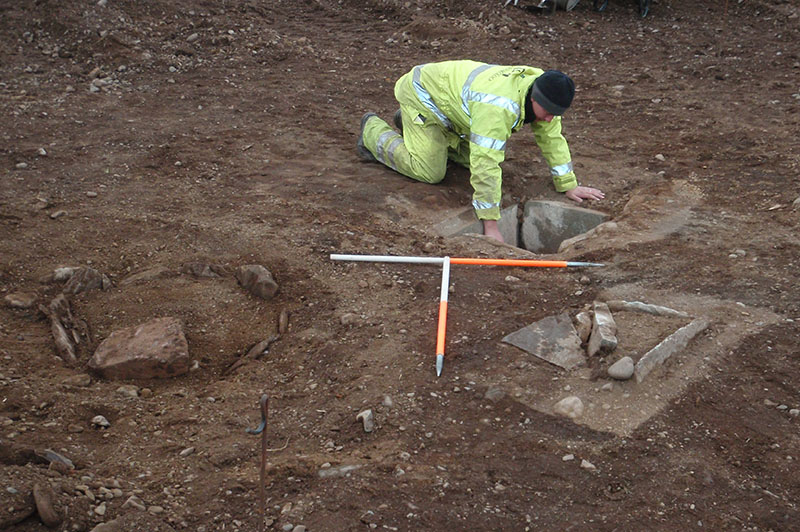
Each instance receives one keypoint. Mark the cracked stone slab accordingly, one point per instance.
(553, 339)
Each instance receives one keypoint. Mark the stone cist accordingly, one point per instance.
(465, 111)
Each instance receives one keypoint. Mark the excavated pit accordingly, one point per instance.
(541, 229)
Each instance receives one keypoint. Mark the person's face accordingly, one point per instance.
(541, 114)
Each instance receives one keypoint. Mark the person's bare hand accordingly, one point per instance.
(578, 194)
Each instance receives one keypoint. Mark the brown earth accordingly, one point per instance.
(224, 132)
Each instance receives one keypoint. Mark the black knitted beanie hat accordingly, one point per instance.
(554, 91)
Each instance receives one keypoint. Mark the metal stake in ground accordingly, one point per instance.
(440, 335)
(262, 429)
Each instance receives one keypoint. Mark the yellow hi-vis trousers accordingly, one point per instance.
(425, 146)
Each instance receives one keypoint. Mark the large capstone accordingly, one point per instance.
(154, 350)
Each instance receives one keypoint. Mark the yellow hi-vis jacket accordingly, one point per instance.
(484, 104)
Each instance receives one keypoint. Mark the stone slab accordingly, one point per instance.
(672, 344)
(466, 222)
(552, 339)
(545, 224)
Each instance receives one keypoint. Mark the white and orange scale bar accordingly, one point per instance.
(446, 262)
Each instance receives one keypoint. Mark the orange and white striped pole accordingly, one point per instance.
(466, 260)
(440, 334)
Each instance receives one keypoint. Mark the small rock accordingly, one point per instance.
(84, 279)
(583, 325)
(42, 152)
(58, 214)
(81, 380)
(91, 194)
(155, 510)
(257, 280)
(568, 457)
(186, 452)
(388, 402)
(134, 502)
(100, 421)
(193, 37)
(349, 318)
(100, 509)
(571, 407)
(494, 394)
(299, 528)
(367, 418)
(660, 157)
(795, 412)
(607, 387)
(21, 166)
(622, 369)
(585, 464)
(46, 500)
(21, 300)
(128, 390)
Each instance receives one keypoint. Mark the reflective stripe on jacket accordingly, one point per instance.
(484, 104)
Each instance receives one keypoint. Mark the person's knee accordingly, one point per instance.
(431, 174)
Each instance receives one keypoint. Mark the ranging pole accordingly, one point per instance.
(442, 316)
(465, 260)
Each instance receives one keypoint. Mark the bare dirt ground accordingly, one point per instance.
(223, 133)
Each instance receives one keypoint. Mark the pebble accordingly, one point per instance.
(155, 510)
(91, 194)
(100, 509)
(21, 166)
(622, 369)
(585, 464)
(494, 394)
(58, 214)
(20, 300)
(135, 502)
(80, 380)
(100, 421)
(794, 412)
(387, 401)
(367, 418)
(661, 157)
(299, 528)
(571, 407)
(193, 37)
(42, 152)
(128, 390)
(186, 452)
(568, 457)
(607, 387)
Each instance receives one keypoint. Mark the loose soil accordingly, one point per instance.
(224, 133)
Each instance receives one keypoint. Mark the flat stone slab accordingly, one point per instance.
(672, 344)
(154, 350)
(552, 339)
(545, 224)
(466, 222)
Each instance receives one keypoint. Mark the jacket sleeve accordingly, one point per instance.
(489, 132)
(556, 151)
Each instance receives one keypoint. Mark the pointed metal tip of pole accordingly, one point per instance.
(584, 264)
(439, 364)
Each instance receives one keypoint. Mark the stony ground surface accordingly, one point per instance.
(139, 137)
